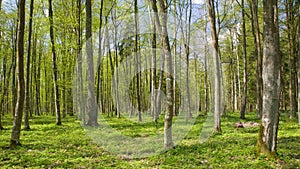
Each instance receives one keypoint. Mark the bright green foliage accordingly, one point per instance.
(67, 146)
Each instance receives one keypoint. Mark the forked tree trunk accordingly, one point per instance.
(163, 31)
(91, 102)
(16, 130)
(267, 140)
(216, 60)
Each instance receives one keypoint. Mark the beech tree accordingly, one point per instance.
(18, 113)
(267, 139)
(92, 105)
(216, 61)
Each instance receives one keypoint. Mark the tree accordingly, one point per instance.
(244, 101)
(257, 42)
(92, 105)
(16, 130)
(54, 68)
(216, 61)
(27, 93)
(267, 139)
(298, 61)
(161, 24)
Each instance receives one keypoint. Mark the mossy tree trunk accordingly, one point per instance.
(267, 140)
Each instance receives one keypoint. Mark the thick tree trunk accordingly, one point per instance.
(16, 130)
(27, 93)
(91, 102)
(216, 62)
(267, 140)
(54, 68)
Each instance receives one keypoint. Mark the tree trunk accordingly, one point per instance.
(162, 29)
(292, 64)
(92, 105)
(54, 68)
(298, 62)
(27, 93)
(244, 101)
(216, 60)
(1, 104)
(136, 52)
(99, 64)
(153, 75)
(267, 140)
(257, 42)
(16, 130)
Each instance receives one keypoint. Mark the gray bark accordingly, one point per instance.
(92, 105)
(216, 63)
(271, 66)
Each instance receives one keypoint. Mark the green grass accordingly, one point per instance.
(68, 146)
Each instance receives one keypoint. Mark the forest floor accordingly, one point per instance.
(68, 146)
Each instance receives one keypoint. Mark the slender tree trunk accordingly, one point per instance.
(27, 100)
(1, 104)
(267, 140)
(298, 62)
(136, 52)
(216, 59)
(92, 105)
(99, 71)
(206, 84)
(257, 42)
(153, 75)
(16, 130)
(54, 68)
(292, 63)
(244, 101)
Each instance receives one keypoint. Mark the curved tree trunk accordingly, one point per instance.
(16, 130)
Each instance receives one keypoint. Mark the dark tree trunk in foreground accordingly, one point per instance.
(267, 140)
(27, 93)
(16, 130)
(54, 68)
(216, 60)
(92, 105)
